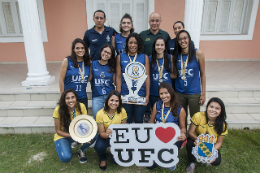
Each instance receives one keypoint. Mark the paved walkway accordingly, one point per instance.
(230, 75)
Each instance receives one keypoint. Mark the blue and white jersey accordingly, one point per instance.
(154, 75)
(170, 118)
(124, 61)
(102, 82)
(191, 85)
(73, 79)
(120, 44)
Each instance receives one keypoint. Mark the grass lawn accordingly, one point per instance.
(240, 153)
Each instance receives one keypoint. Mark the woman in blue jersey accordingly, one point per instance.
(169, 110)
(134, 49)
(126, 27)
(189, 68)
(75, 70)
(103, 77)
(160, 68)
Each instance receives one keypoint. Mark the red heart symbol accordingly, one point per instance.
(165, 135)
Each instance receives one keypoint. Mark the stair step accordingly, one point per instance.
(43, 124)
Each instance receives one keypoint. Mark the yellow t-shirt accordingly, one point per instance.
(202, 127)
(57, 116)
(103, 118)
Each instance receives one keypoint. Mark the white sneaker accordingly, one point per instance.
(74, 145)
(190, 168)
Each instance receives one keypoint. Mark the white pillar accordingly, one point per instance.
(193, 19)
(37, 71)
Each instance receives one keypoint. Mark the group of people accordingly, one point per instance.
(175, 80)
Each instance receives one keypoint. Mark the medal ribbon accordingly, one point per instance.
(82, 73)
(160, 68)
(164, 118)
(131, 59)
(74, 112)
(183, 69)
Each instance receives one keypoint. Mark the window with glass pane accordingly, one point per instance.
(228, 17)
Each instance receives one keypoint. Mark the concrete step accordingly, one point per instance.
(43, 96)
(46, 108)
(44, 124)
(55, 95)
(31, 108)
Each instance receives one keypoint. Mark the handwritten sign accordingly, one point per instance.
(144, 144)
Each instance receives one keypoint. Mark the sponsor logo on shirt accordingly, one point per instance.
(125, 61)
(108, 38)
(95, 69)
(95, 40)
(147, 39)
(119, 42)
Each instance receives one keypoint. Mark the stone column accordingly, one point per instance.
(37, 71)
(193, 19)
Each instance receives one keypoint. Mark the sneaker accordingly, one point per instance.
(172, 168)
(146, 117)
(82, 157)
(74, 145)
(190, 168)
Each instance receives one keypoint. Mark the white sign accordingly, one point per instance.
(144, 144)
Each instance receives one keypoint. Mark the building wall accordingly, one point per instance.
(66, 20)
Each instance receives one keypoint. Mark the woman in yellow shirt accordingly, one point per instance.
(212, 122)
(69, 107)
(112, 113)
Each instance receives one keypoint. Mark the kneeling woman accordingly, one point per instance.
(212, 122)
(69, 107)
(169, 110)
(112, 113)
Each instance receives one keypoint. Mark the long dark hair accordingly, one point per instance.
(174, 102)
(64, 110)
(111, 93)
(112, 60)
(177, 49)
(126, 16)
(73, 56)
(165, 55)
(220, 121)
(139, 42)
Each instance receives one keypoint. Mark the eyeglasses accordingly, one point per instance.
(109, 53)
(157, 20)
(101, 18)
(184, 38)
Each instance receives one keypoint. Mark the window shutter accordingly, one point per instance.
(19, 19)
(224, 17)
(125, 8)
(115, 15)
(237, 16)
(211, 16)
(139, 11)
(8, 17)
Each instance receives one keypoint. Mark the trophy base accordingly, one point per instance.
(133, 100)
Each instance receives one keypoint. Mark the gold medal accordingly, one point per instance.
(164, 117)
(82, 73)
(183, 67)
(160, 70)
(133, 59)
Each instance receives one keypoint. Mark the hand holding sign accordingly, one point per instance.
(144, 144)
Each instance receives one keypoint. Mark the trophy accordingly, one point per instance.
(134, 77)
(83, 128)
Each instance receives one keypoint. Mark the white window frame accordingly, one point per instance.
(19, 37)
(248, 36)
(90, 6)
